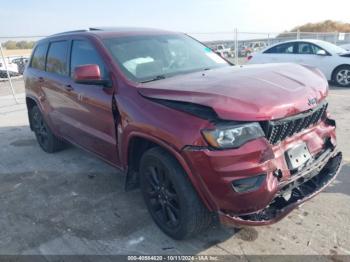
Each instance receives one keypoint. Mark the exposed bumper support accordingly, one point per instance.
(301, 187)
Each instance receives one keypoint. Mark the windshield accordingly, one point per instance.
(332, 48)
(155, 57)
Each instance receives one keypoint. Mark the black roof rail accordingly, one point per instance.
(95, 29)
(73, 31)
(117, 29)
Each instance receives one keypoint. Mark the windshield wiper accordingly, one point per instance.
(159, 77)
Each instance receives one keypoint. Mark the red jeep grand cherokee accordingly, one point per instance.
(202, 138)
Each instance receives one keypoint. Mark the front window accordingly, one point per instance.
(149, 58)
(84, 53)
(308, 49)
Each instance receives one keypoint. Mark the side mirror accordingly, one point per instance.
(321, 52)
(89, 75)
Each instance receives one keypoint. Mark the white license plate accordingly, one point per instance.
(297, 156)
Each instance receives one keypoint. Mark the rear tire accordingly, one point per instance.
(169, 196)
(341, 76)
(46, 139)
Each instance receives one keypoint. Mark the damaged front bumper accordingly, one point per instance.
(292, 193)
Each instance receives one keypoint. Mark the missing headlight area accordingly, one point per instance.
(299, 192)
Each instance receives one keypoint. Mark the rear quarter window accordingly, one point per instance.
(57, 58)
(39, 57)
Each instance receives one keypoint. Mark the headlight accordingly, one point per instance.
(232, 136)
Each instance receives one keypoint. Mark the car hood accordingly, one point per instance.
(245, 93)
(345, 54)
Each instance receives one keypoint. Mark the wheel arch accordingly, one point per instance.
(133, 156)
(30, 103)
(335, 69)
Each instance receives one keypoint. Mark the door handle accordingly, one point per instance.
(68, 88)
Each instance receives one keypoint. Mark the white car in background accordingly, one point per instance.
(332, 60)
(254, 47)
(11, 67)
(346, 47)
(224, 51)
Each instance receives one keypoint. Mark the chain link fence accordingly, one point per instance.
(237, 45)
(233, 45)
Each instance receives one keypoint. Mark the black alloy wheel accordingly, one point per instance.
(170, 197)
(163, 198)
(46, 139)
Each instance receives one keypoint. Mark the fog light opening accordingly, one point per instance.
(248, 184)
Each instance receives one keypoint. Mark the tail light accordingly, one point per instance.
(249, 57)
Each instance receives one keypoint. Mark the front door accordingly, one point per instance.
(307, 55)
(91, 115)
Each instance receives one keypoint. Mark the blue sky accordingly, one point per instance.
(34, 17)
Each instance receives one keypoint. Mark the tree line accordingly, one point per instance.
(11, 44)
(327, 26)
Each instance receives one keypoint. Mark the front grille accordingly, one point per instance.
(279, 130)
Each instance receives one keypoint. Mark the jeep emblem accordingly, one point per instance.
(312, 101)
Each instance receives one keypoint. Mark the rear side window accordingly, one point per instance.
(287, 48)
(57, 58)
(83, 53)
(39, 56)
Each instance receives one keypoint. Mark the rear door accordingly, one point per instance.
(307, 54)
(54, 81)
(90, 114)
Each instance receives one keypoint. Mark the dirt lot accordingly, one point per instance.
(17, 52)
(73, 203)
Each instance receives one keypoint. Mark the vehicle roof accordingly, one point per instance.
(107, 32)
(314, 41)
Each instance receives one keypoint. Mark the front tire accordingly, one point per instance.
(169, 196)
(46, 139)
(341, 76)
